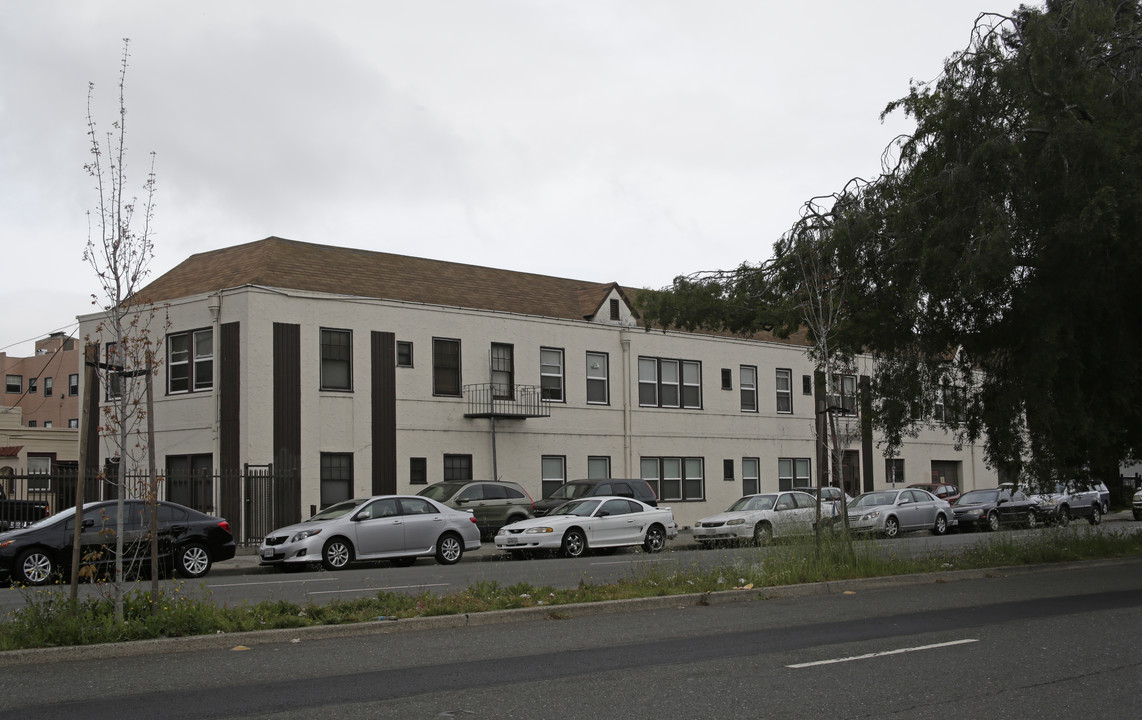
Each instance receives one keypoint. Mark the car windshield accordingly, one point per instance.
(51, 519)
(341, 509)
(570, 491)
(978, 496)
(440, 491)
(874, 498)
(754, 502)
(582, 508)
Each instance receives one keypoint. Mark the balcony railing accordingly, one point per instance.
(493, 400)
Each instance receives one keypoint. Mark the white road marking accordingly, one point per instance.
(272, 582)
(881, 654)
(378, 589)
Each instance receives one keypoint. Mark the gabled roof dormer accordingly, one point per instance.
(610, 305)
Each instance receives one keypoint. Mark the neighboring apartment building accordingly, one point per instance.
(373, 373)
(45, 386)
(29, 451)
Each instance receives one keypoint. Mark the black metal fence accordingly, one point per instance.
(254, 500)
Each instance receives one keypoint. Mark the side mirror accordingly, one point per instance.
(461, 501)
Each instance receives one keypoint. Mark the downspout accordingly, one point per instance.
(628, 459)
(214, 304)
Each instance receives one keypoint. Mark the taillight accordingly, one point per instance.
(473, 519)
(225, 526)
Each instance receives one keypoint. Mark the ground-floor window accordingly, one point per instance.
(675, 478)
(190, 480)
(894, 470)
(336, 478)
(598, 466)
(457, 467)
(553, 471)
(794, 473)
(751, 476)
(418, 471)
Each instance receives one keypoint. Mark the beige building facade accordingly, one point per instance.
(371, 372)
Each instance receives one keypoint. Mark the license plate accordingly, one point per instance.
(267, 554)
(512, 541)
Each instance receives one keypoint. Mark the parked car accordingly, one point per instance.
(638, 489)
(945, 491)
(21, 513)
(398, 528)
(1066, 502)
(494, 503)
(994, 508)
(594, 522)
(760, 518)
(190, 542)
(891, 512)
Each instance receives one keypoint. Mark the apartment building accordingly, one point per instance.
(45, 386)
(371, 372)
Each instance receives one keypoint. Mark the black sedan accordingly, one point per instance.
(991, 509)
(189, 543)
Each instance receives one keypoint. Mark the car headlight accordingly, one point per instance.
(538, 530)
(871, 516)
(1050, 502)
(735, 521)
(978, 512)
(298, 537)
(6, 543)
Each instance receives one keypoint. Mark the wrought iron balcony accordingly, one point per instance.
(493, 400)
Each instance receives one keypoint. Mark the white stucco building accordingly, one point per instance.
(372, 372)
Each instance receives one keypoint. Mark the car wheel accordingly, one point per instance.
(993, 521)
(1064, 516)
(1032, 519)
(337, 554)
(891, 528)
(35, 567)
(193, 561)
(1105, 507)
(655, 539)
(402, 561)
(574, 543)
(762, 534)
(941, 526)
(449, 549)
(1095, 514)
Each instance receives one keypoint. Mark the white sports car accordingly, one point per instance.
(595, 522)
(760, 518)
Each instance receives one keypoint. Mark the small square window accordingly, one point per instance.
(33, 384)
(418, 471)
(404, 354)
(14, 383)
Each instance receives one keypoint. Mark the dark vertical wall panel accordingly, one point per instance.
(230, 398)
(287, 397)
(866, 429)
(384, 412)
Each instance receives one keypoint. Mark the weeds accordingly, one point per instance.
(51, 619)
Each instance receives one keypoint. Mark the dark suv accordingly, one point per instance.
(494, 503)
(637, 489)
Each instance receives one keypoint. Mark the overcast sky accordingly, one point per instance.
(602, 140)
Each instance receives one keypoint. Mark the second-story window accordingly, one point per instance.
(336, 359)
(598, 387)
(190, 361)
(669, 383)
(551, 374)
(73, 385)
(33, 384)
(47, 387)
(503, 370)
(445, 367)
(747, 375)
(784, 390)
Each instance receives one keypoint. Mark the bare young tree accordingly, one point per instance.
(119, 249)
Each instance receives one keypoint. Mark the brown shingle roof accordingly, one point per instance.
(275, 262)
(289, 264)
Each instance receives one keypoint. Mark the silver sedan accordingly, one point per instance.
(397, 528)
(891, 512)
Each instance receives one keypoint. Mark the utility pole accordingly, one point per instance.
(89, 403)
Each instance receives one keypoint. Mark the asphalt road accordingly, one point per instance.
(1047, 642)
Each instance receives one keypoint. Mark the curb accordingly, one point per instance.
(243, 640)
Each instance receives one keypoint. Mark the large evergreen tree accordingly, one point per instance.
(994, 268)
